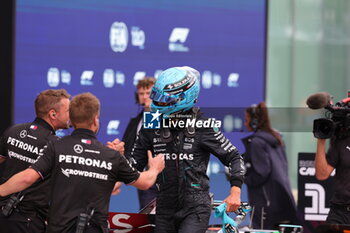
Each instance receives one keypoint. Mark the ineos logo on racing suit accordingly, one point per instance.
(181, 156)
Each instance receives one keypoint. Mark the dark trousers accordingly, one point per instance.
(184, 221)
(90, 229)
(339, 215)
(19, 223)
(192, 217)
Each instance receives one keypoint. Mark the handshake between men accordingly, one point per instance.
(155, 164)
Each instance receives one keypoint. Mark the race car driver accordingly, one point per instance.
(183, 202)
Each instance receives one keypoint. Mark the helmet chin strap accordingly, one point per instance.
(190, 131)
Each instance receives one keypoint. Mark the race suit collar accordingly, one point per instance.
(85, 132)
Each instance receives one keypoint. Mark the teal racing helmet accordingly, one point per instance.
(176, 90)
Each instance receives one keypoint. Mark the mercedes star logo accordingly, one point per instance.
(78, 148)
(23, 134)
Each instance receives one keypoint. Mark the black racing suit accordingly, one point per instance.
(183, 202)
(21, 145)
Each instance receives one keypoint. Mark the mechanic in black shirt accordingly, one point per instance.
(20, 147)
(84, 172)
(338, 158)
(183, 202)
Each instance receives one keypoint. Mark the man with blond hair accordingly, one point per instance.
(84, 172)
(20, 147)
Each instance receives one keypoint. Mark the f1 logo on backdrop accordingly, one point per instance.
(138, 76)
(112, 127)
(151, 120)
(318, 211)
(177, 39)
(86, 78)
(232, 80)
(157, 73)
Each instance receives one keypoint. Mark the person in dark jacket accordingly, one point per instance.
(144, 87)
(267, 178)
(143, 90)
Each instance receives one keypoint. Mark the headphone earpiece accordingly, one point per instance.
(254, 121)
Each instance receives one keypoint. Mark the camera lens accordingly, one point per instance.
(324, 128)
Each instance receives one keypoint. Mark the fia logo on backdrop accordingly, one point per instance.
(110, 78)
(118, 37)
(54, 75)
(210, 79)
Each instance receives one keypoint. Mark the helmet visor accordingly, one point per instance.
(162, 99)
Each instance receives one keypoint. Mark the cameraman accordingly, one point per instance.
(84, 172)
(337, 157)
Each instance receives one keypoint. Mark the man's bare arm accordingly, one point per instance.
(149, 177)
(19, 182)
(323, 169)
